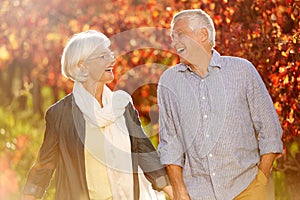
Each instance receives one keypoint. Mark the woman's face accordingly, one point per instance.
(100, 65)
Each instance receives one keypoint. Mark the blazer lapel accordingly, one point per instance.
(79, 121)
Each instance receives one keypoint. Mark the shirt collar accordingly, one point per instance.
(214, 62)
(183, 67)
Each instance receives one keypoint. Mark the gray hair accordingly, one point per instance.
(78, 49)
(197, 18)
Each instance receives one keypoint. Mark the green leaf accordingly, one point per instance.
(294, 149)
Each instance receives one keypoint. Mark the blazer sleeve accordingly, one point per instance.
(41, 172)
(147, 156)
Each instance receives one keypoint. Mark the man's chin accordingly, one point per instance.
(184, 61)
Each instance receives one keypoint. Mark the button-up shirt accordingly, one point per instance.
(216, 127)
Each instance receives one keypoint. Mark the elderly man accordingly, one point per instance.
(219, 131)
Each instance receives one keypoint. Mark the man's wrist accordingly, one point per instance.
(266, 163)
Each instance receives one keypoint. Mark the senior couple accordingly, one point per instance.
(219, 130)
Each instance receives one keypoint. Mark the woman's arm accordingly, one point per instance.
(41, 172)
(145, 152)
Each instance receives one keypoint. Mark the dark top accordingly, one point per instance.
(63, 151)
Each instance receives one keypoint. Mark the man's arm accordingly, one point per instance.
(176, 179)
(266, 163)
(170, 146)
(265, 120)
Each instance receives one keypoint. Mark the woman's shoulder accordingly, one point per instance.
(64, 103)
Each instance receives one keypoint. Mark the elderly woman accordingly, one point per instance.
(94, 139)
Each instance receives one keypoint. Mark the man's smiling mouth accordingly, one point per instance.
(109, 69)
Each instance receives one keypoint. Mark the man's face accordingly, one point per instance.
(186, 42)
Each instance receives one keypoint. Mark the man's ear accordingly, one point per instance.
(80, 64)
(203, 33)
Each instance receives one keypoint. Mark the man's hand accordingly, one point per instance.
(176, 179)
(266, 163)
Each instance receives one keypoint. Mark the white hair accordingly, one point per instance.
(77, 50)
(197, 18)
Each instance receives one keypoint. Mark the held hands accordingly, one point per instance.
(28, 197)
(176, 195)
(168, 189)
(181, 195)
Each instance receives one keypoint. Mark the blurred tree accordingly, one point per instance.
(33, 34)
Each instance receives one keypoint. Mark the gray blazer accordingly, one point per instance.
(62, 151)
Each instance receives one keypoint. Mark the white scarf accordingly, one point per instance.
(117, 153)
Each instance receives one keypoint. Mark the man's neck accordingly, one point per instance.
(201, 67)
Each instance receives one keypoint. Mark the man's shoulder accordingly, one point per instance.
(238, 65)
(234, 60)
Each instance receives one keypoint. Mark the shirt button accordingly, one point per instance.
(192, 73)
(205, 116)
(207, 135)
(213, 174)
(202, 80)
(203, 98)
(210, 155)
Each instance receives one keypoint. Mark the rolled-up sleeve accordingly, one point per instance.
(170, 146)
(263, 113)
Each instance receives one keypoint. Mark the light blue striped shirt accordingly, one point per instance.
(216, 127)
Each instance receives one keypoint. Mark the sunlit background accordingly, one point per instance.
(34, 32)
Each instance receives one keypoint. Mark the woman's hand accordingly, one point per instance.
(168, 189)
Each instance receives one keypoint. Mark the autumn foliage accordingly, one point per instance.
(34, 32)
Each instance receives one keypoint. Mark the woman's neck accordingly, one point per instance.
(95, 89)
